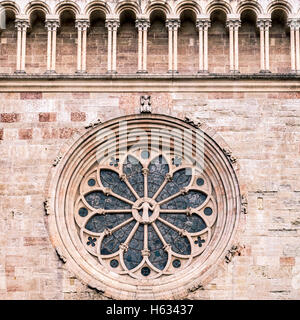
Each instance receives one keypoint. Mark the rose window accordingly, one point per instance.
(146, 214)
(136, 213)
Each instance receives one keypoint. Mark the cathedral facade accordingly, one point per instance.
(150, 149)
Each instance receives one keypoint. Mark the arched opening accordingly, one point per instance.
(157, 43)
(66, 54)
(127, 43)
(249, 43)
(8, 47)
(218, 43)
(36, 50)
(97, 43)
(188, 45)
(279, 43)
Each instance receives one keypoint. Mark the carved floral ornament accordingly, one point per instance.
(137, 213)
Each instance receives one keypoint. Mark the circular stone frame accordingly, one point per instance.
(64, 235)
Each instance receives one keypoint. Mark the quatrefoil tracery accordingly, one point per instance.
(145, 214)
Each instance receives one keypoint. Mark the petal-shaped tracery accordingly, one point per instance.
(111, 243)
(133, 256)
(110, 179)
(192, 224)
(193, 199)
(98, 223)
(179, 244)
(158, 256)
(98, 200)
(134, 172)
(158, 168)
(181, 179)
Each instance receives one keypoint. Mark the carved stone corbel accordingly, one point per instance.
(46, 207)
(229, 156)
(56, 161)
(244, 204)
(234, 251)
(60, 255)
(93, 124)
(145, 104)
(192, 122)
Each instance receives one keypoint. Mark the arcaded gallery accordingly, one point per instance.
(150, 150)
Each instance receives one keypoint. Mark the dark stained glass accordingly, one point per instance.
(110, 179)
(98, 223)
(134, 172)
(176, 263)
(114, 263)
(111, 243)
(181, 179)
(178, 243)
(133, 256)
(145, 271)
(83, 212)
(208, 211)
(91, 182)
(200, 182)
(158, 256)
(192, 223)
(192, 199)
(158, 168)
(99, 200)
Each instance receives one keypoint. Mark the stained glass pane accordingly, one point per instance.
(98, 199)
(158, 168)
(179, 244)
(134, 172)
(158, 256)
(110, 179)
(192, 199)
(181, 179)
(98, 223)
(133, 256)
(111, 244)
(191, 224)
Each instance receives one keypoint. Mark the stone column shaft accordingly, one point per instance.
(79, 45)
(267, 45)
(139, 26)
(19, 45)
(297, 49)
(231, 54)
(49, 45)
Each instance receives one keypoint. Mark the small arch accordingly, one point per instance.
(218, 42)
(218, 5)
(279, 41)
(249, 5)
(66, 60)
(157, 42)
(249, 42)
(96, 61)
(36, 51)
(188, 5)
(127, 47)
(97, 6)
(279, 5)
(188, 45)
(127, 6)
(37, 6)
(11, 6)
(67, 5)
(158, 6)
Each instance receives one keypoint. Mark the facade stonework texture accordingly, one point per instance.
(232, 66)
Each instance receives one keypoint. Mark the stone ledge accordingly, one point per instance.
(167, 76)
